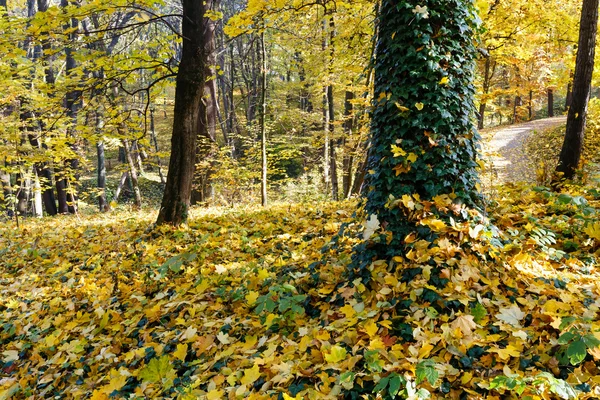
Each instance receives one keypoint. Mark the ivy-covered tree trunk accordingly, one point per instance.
(423, 140)
(189, 92)
(570, 154)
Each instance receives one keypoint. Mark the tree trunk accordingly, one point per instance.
(190, 83)
(263, 131)
(330, 104)
(133, 174)
(155, 143)
(550, 103)
(102, 203)
(348, 158)
(419, 149)
(38, 209)
(570, 154)
(569, 96)
(487, 76)
(530, 105)
(205, 146)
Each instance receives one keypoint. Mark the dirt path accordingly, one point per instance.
(503, 146)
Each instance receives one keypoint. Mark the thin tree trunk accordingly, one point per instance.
(486, 88)
(263, 132)
(133, 174)
(122, 181)
(572, 148)
(348, 158)
(155, 142)
(550, 103)
(530, 105)
(38, 210)
(102, 203)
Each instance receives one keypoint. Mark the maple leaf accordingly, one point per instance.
(335, 354)
(465, 323)
(511, 315)
(158, 370)
(371, 226)
(181, 352)
(593, 230)
(250, 375)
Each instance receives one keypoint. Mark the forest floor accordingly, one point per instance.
(504, 150)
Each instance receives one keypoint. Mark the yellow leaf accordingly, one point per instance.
(181, 352)
(99, 395)
(401, 168)
(397, 151)
(251, 297)
(371, 328)
(401, 107)
(250, 375)
(270, 320)
(116, 382)
(419, 106)
(444, 80)
(465, 323)
(593, 230)
(336, 354)
(263, 274)
(506, 353)
(215, 394)
(348, 311)
(436, 225)
(412, 157)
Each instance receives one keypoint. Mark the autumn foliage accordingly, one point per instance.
(257, 304)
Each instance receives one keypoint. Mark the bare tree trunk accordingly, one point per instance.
(38, 210)
(530, 105)
(348, 158)
(205, 154)
(487, 76)
(263, 132)
(572, 148)
(191, 79)
(102, 203)
(133, 174)
(550, 103)
(122, 181)
(155, 142)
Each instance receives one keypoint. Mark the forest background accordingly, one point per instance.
(88, 92)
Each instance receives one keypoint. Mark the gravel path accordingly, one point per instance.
(503, 149)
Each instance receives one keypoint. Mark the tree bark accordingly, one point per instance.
(263, 131)
(570, 154)
(103, 205)
(348, 158)
(133, 174)
(550, 103)
(487, 76)
(190, 83)
(205, 147)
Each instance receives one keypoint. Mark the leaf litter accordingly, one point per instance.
(258, 304)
